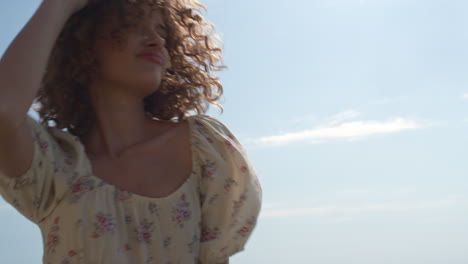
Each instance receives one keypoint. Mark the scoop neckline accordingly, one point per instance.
(101, 183)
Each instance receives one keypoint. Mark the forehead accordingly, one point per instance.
(134, 13)
(152, 12)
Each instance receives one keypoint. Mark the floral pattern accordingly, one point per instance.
(247, 228)
(80, 187)
(53, 237)
(121, 195)
(84, 219)
(208, 233)
(182, 212)
(23, 182)
(208, 169)
(104, 224)
(144, 231)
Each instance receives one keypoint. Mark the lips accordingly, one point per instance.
(153, 57)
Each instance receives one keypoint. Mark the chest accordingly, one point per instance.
(155, 172)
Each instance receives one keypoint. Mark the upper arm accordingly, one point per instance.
(230, 191)
(16, 148)
(37, 165)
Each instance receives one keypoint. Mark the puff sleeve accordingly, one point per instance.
(36, 193)
(230, 192)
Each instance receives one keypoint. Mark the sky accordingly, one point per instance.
(355, 116)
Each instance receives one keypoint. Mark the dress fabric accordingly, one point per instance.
(84, 219)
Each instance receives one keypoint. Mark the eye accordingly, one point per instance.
(162, 30)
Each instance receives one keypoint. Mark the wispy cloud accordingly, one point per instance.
(374, 193)
(465, 96)
(347, 205)
(343, 116)
(348, 212)
(336, 129)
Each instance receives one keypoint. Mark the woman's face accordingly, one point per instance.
(123, 65)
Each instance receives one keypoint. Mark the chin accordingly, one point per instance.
(145, 80)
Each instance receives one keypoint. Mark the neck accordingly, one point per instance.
(121, 123)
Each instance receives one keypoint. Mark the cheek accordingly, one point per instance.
(110, 56)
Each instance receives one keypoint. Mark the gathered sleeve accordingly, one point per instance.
(230, 192)
(36, 192)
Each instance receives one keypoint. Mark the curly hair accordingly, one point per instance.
(189, 84)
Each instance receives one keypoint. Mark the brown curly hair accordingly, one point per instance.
(189, 84)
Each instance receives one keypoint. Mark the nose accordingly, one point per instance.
(151, 38)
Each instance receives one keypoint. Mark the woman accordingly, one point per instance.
(126, 175)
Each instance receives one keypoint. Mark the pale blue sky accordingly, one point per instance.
(355, 115)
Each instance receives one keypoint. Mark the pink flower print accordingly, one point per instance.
(224, 249)
(127, 247)
(121, 195)
(247, 228)
(23, 182)
(53, 238)
(80, 187)
(123, 249)
(208, 169)
(230, 146)
(244, 230)
(237, 205)
(181, 213)
(74, 254)
(42, 143)
(144, 236)
(68, 158)
(228, 183)
(244, 169)
(257, 182)
(208, 234)
(36, 202)
(105, 224)
(144, 231)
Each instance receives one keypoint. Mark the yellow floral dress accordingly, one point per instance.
(84, 219)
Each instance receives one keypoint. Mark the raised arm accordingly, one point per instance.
(21, 70)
